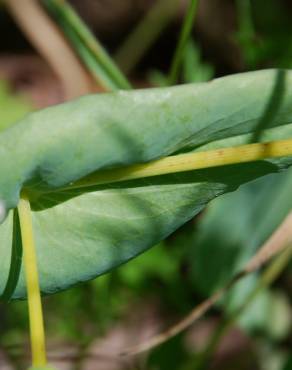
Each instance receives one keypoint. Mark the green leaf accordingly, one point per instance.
(12, 108)
(251, 215)
(83, 233)
(194, 70)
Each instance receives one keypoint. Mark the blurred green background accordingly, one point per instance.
(89, 324)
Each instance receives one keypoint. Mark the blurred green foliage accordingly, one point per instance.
(12, 107)
(264, 33)
(194, 69)
(203, 254)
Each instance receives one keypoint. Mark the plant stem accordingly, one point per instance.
(245, 20)
(101, 77)
(37, 332)
(279, 241)
(270, 274)
(145, 34)
(71, 24)
(189, 162)
(184, 35)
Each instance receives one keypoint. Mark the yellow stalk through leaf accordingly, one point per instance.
(32, 282)
(172, 164)
(189, 162)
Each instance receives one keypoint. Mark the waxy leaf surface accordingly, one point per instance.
(83, 233)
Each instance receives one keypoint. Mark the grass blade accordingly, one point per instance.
(184, 36)
(82, 38)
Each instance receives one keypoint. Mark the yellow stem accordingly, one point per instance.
(37, 332)
(189, 162)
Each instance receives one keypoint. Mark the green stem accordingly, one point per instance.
(145, 34)
(245, 18)
(98, 73)
(37, 332)
(270, 274)
(79, 34)
(184, 36)
(246, 35)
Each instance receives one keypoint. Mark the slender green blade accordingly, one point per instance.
(16, 260)
(87, 46)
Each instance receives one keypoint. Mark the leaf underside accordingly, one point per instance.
(83, 233)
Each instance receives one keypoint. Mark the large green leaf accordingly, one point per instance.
(81, 235)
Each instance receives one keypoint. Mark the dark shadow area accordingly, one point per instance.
(16, 260)
(273, 106)
(230, 175)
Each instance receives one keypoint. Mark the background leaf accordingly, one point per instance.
(251, 215)
(12, 107)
